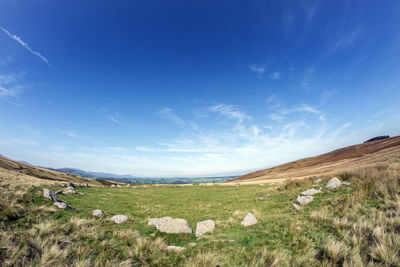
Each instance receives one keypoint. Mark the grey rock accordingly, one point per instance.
(69, 190)
(192, 244)
(175, 248)
(318, 181)
(171, 225)
(60, 205)
(204, 227)
(304, 200)
(71, 185)
(333, 183)
(296, 207)
(346, 183)
(118, 219)
(249, 219)
(58, 192)
(311, 192)
(49, 194)
(97, 213)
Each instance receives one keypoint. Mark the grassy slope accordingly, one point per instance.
(349, 227)
(28, 174)
(344, 159)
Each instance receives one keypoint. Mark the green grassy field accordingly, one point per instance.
(337, 228)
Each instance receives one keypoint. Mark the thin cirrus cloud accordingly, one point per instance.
(168, 114)
(10, 86)
(26, 46)
(68, 133)
(275, 76)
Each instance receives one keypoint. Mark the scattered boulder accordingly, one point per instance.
(118, 219)
(192, 244)
(112, 185)
(249, 219)
(304, 200)
(71, 185)
(49, 194)
(296, 207)
(333, 183)
(118, 185)
(204, 227)
(318, 181)
(176, 248)
(346, 183)
(58, 192)
(311, 192)
(60, 205)
(69, 190)
(170, 225)
(97, 213)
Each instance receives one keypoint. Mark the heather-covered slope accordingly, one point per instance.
(344, 159)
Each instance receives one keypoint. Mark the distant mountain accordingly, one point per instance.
(89, 174)
(25, 162)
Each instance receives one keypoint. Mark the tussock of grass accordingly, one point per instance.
(355, 227)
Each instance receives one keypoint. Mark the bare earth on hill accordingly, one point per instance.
(338, 161)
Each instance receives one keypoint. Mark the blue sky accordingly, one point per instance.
(190, 88)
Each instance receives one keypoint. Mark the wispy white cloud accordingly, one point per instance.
(13, 141)
(168, 114)
(68, 133)
(113, 116)
(349, 39)
(259, 69)
(275, 76)
(26, 46)
(10, 86)
(230, 111)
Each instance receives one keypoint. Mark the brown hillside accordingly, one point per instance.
(14, 172)
(340, 160)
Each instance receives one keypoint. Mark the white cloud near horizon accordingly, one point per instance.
(26, 46)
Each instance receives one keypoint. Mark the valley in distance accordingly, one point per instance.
(337, 209)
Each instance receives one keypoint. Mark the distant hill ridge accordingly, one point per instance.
(377, 150)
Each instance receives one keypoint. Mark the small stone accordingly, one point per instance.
(318, 181)
(299, 228)
(296, 207)
(346, 183)
(204, 227)
(71, 185)
(69, 190)
(97, 213)
(60, 205)
(310, 192)
(192, 244)
(118, 219)
(175, 248)
(58, 192)
(333, 183)
(304, 200)
(248, 220)
(170, 225)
